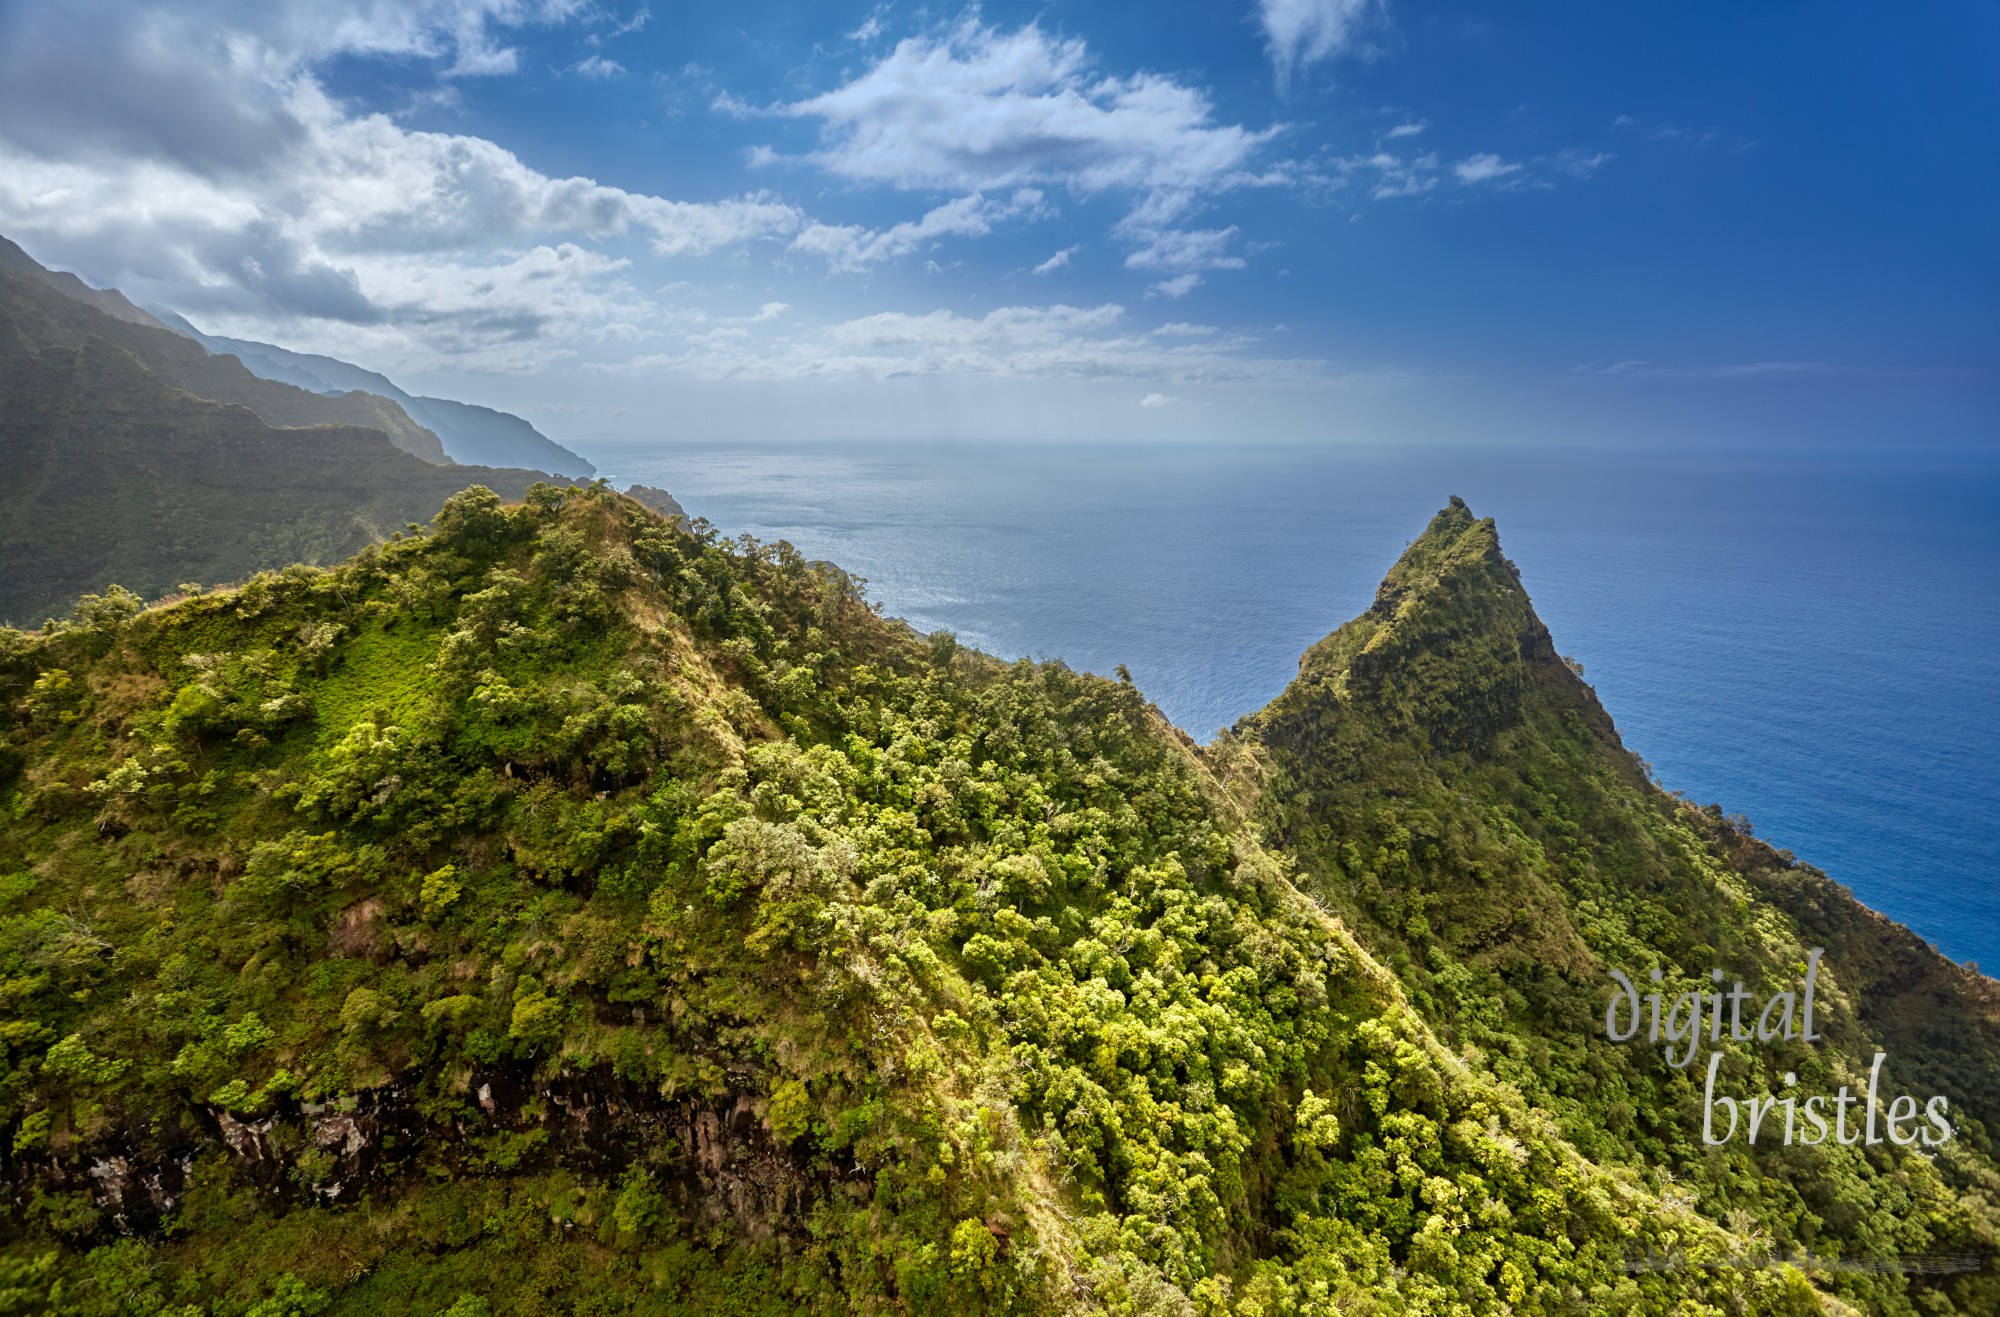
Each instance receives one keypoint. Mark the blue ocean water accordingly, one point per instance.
(1813, 641)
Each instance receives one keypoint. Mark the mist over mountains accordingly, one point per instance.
(137, 457)
(458, 432)
(469, 433)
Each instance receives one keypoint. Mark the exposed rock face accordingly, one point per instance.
(720, 1164)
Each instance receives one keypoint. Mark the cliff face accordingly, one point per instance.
(567, 910)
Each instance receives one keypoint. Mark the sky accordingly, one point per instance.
(1363, 221)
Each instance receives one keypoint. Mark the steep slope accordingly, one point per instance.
(1451, 786)
(108, 300)
(112, 475)
(470, 433)
(44, 315)
(568, 911)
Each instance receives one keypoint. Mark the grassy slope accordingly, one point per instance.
(567, 912)
(1454, 789)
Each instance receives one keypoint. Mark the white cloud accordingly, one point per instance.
(218, 177)
(1483, 168)
(1392, 175)
(1580, 164)
(1059, 261)
(871, 27)
(1153, 400)
(1056, 342)
(1388, 175)
(978, 110)
(1178, 286)
(1302, 33)
(1404, 130)
(632, 24)
(600, 68)
(849, 247)
(736, 108)
(1186, 249)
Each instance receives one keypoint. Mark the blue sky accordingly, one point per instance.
(1334, 220)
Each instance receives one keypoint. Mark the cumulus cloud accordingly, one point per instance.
(600, 69)
(1178, 286)
(976, 109)
(203, 167)
(849, 247)
(1302, 33)
(1153, 400)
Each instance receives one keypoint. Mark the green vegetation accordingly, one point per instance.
(46, 313)
(1457, 794)
(124, 462)
(566, 910)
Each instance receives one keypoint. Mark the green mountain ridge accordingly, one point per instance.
(134, 457)
(436, 429)
(43, 314)
(108, 300)
(1456, 792)
(567, 910)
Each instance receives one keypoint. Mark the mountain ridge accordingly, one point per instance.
(123, 467)
(1452, 787)
(943, 983)
(45, 313)
(469, 433)
(108, 300)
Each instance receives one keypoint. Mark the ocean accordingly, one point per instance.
(1811, 640)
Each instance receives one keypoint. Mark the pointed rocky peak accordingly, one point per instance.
(1450, 653)
(1455, 546)
(1450, 580)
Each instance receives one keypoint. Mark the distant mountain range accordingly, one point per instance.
(435, 429)
(468, 432)
(139, 451)
(134, 457)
